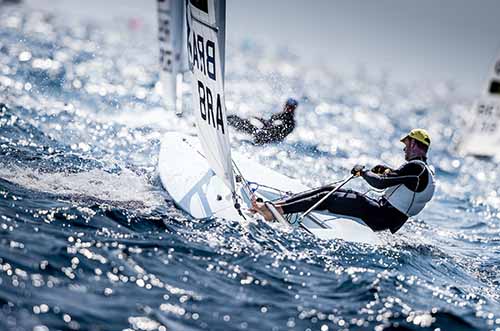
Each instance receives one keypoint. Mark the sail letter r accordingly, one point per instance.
(201, 53)
(210, 106)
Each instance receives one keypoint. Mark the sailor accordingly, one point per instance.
(272, 130)
(406, 191)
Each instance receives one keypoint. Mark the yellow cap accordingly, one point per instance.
(420, 135)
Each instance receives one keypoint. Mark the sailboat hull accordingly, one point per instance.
(189, 180)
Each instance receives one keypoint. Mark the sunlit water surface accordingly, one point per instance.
(89, 240)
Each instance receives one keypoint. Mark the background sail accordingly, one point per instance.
(206, 38)
(483, 136)
(173, 52)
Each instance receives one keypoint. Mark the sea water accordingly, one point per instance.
(89, 240)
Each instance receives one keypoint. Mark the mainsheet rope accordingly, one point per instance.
(251, 190)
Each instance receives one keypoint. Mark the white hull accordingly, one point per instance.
(193, 186)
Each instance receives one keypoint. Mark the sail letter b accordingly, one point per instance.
(201, 93)
(210, 53)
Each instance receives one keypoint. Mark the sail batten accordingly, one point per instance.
(205, 45)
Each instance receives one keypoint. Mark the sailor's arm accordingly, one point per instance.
(383, 181)
(258, 122)
(256, 119)
(407, 175)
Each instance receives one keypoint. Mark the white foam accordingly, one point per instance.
(125, 187)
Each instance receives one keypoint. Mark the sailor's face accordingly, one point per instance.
(289, 108)
(408, 148)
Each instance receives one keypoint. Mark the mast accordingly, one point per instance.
(173, 53)
(220, 10)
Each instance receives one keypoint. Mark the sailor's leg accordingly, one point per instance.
(297, 205)
(260, 137)
(355, 204)
(306, 194)
(351, 203)
(241, 124)
(344, 202)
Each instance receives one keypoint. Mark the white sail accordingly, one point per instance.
(173, 53)
(483, 136)
(206, 39)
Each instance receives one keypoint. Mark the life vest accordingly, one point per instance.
(407, 201)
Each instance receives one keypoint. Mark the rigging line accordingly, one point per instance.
(313, 189)
(303, 227)
(225, 208)
(245, 182)
(317, 222)
(282, 193)
(248, 192)
(291, 194)
(196, 149)
(316, 188)
(246, 187)
(249, 183)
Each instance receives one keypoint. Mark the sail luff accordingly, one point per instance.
(221, 23)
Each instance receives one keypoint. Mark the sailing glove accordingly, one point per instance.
(358, 170)
(380, 169)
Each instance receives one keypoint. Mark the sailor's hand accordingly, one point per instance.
(381, 169)
(256, 202)
(358, 170)
(258, 206)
